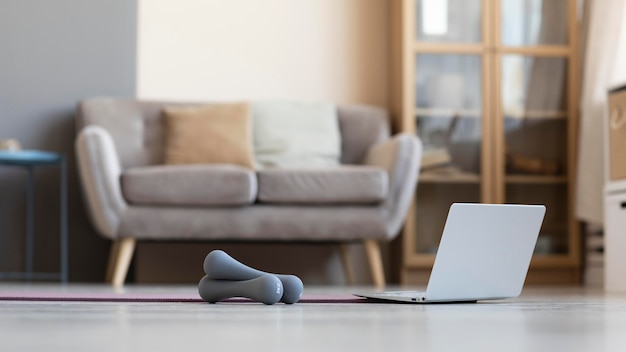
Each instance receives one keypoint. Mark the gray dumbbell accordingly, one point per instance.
(220, 266)
(266, 289)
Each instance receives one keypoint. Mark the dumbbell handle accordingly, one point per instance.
(266, 289)
(220, 266)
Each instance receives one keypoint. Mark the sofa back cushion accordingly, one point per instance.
(361, 127)
(296, 134)
(137, 128)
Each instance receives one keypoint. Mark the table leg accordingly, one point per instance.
(63, 196)
(30, 223)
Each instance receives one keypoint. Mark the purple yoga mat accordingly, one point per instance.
(153, 297)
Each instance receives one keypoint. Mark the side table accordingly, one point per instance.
(31, 159)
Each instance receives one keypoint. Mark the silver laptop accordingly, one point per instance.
(484, 253)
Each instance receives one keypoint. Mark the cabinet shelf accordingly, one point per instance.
(556, 260)
(536, 50)
(436, 48)
(476, 113)
(482, 48)
(445, 112)
(430, 176)
(535, 179)
(534, 114)
(433, 176)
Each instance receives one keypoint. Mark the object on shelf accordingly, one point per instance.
(11, 145)
(517, 163)
(544, 244)
(616, 133)
(448, 174)
(594, 257)
(435, 158)
(447, 170)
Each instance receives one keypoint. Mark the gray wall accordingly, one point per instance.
(52, 54)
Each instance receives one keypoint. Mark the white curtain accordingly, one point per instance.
(604, 67)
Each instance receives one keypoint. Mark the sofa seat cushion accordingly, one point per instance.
(333, 185)
(261, 222)
(193, 185)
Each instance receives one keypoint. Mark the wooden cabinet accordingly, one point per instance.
(490, 87)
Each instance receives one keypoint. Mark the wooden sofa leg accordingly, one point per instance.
(119, 260)
(347, 265)
(374, 257)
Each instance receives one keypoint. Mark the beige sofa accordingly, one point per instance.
(131, 196)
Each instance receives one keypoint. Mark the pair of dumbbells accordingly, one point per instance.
(226, 278)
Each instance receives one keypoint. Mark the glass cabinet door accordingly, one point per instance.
(449, 122)
(448, 21)
(534, 22)
(535, 141)
(534, 111)
(448, 93)
(488, 86)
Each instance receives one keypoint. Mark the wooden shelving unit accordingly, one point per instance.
(492, 83)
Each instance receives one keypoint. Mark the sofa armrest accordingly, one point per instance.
(400, 156)
(100, 170)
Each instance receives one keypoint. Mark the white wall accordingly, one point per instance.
(253, 49)
(199, 50)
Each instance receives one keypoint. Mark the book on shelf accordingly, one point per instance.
(595, 242)
(432, 158)
(594, 276)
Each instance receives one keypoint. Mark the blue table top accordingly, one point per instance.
(29, 157)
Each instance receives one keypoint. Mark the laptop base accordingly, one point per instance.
(406, 297)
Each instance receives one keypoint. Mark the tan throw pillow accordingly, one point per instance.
(211, 134)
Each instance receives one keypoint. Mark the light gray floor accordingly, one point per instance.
(558, 319)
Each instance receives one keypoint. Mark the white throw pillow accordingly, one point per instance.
(295, 134)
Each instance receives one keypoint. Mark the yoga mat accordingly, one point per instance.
(154, 297)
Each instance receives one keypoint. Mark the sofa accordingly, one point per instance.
(132, 195)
